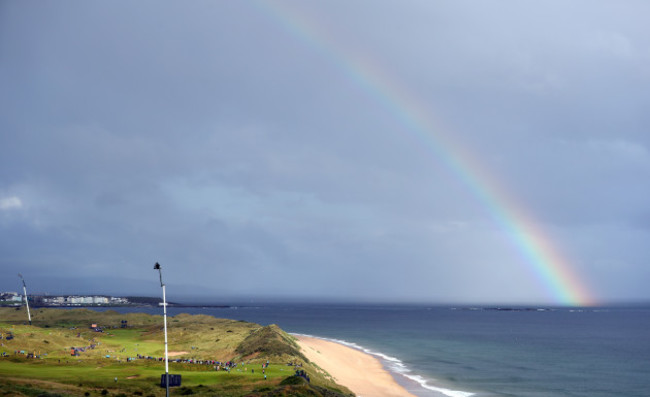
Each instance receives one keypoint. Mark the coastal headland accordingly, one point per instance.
(82, 352)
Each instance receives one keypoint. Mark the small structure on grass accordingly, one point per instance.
(174, 380)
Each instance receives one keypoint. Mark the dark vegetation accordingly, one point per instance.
(144, 300)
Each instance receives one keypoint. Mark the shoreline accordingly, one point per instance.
(339, 359)
(360, 372)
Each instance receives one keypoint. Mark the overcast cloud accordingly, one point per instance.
(230, 142)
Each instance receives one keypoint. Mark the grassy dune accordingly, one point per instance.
(113, 354)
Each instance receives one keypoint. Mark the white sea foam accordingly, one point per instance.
(397, 366)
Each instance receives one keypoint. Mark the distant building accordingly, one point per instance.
(76, 300)
(118, 301)
(53, 300)
(15, 299)
(11, 297)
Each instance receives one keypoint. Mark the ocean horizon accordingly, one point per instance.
(482, 351)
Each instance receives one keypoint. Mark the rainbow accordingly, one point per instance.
(549, 266)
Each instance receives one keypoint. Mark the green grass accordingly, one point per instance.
(201, 337)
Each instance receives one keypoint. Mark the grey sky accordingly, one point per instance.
(231, 142)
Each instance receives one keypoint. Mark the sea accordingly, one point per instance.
(462, 351)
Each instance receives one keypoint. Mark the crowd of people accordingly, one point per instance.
(218, 365)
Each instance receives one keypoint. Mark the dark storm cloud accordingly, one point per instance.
(213, 138)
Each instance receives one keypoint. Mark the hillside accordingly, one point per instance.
(61, 355)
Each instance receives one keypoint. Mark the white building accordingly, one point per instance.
(116, 300)
(54, 300)
(100, 300)
(11, 297)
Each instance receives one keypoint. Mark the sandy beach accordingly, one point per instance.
(358, 371)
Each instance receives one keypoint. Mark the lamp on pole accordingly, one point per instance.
(29, 316)
(157, 267)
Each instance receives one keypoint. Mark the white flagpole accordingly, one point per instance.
(157, 266)
(29, 316)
